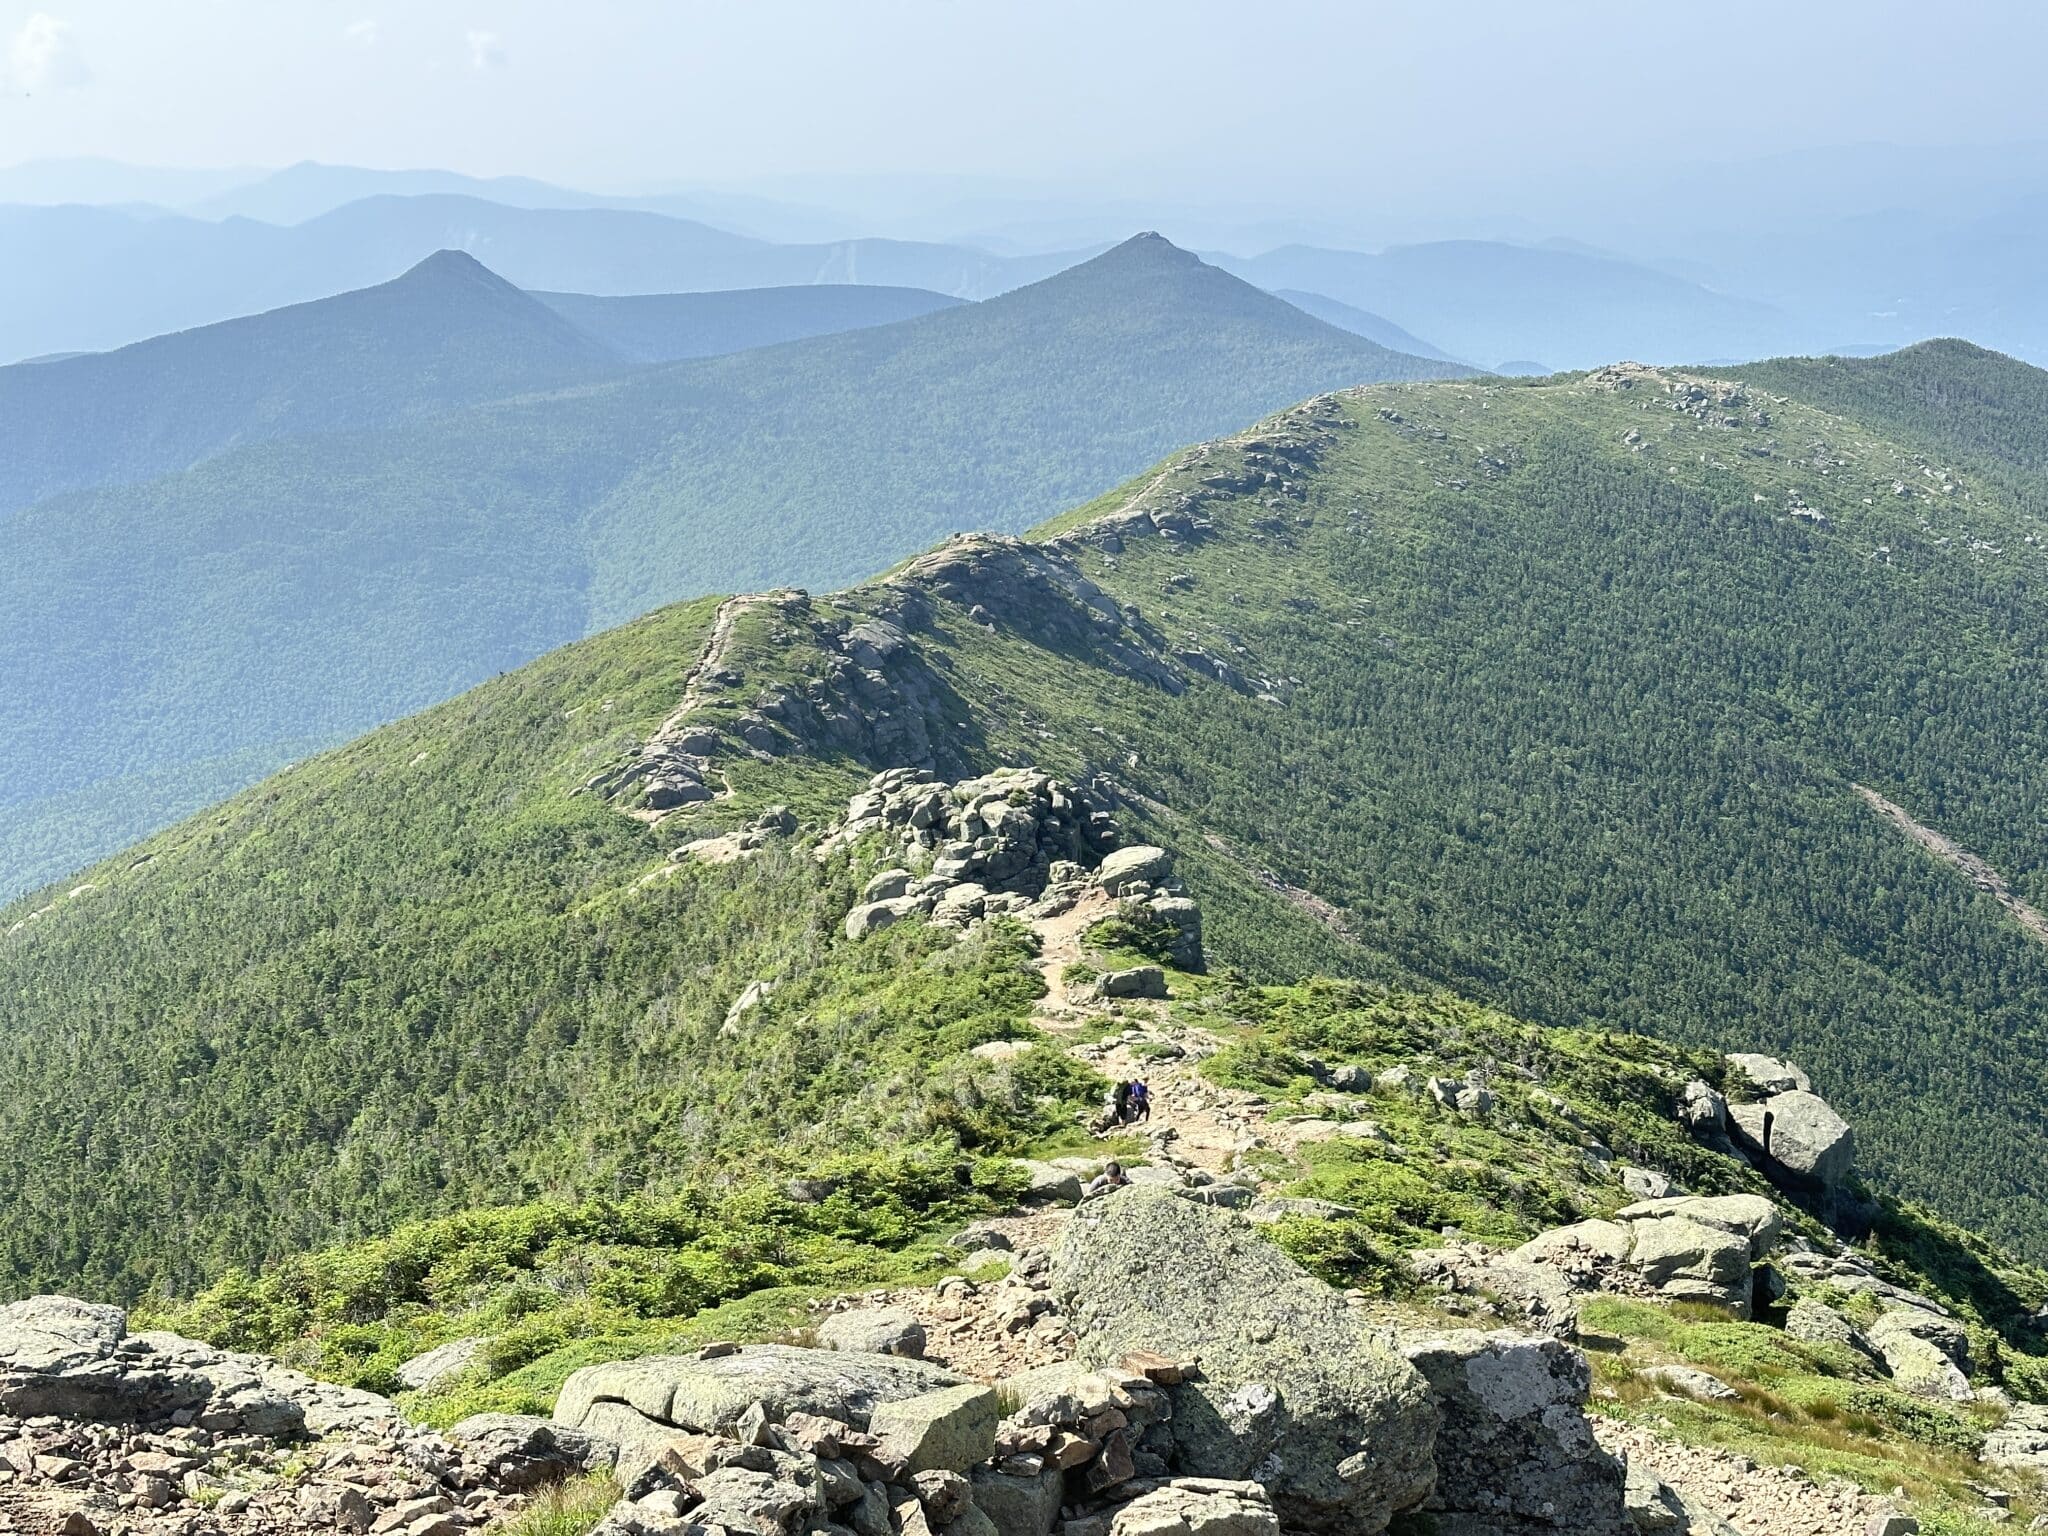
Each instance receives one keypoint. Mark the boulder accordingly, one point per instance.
(1753, 1218)
(1645, 1183)
(873, 916)
(1684, 1381)
(1141, 864)
(1197, 1506)
(1769, 1075)
(1797, 1136)
(75, 1359)
(443, 1363)
(1050, 1182)
(947, 1430)
(1514, 1451)
(1138, 981)
(1019, 1504)
(1687, 1260)
(1814, 1322)
(874, 1331)
(522, 1451)
(710, 1396)
(1927, 1354)
(1340, 1429)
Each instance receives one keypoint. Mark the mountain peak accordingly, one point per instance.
(450, 264)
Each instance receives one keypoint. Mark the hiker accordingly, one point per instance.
(1140, 1103)
(1111, 1177)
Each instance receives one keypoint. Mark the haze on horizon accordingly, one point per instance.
(1378, 120)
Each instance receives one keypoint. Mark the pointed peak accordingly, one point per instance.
(447, 266)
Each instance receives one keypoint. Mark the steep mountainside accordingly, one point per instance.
(446, 334)
(666, 327)
(174, 639)
(1562, 694)
(96, 278)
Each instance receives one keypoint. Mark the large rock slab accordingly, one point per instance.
(710, 1396)
(77, 1360)
(1339, 1429)
(1798, 1136)
(1515, 1455)
(1926, 1353)
(948, 1430)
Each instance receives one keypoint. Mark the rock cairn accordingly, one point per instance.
(1016, 841)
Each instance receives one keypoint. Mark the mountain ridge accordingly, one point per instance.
(405, 563)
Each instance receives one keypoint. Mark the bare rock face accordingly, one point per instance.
(1680, 1248)
(1797, 1136)
(1516, 1456)
(1339, 1429)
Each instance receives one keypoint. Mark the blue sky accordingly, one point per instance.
(1111, 94)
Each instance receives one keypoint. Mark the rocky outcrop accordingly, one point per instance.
(77, 1360)
(1681, 1248)
(1013, 841)
(1516, 1454)
(102, 1430)
(659, 1402)
(1339, 1430)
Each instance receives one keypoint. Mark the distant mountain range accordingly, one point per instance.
(85, 279)
(448, 333)
(169, 639)
(90, 278)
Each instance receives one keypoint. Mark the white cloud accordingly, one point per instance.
(486, 51)
(364, 33)
(43, 57)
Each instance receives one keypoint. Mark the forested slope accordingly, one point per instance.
(304, 589)
(1558, 694)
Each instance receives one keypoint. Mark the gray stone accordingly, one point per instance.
(1199, 1507)
(1051, 1182)
(948, 1430)
(1684, 1381)
(1687, 1260)
(873, 916)
(1140, 981)
(1814, 1322)
(523, 1451)
(1926, 1354)
(1807, 1140)
(443, 1363)
(889, 883)
(1514, 1447)
(744, 1500)
(1644, 1183)
(1753, 1218)
(1651, 1506)
(1339, 1429)
(1019, 1505)
(1141, 864)
(875, 1331)
(1768, 1075)
(712, 1395)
